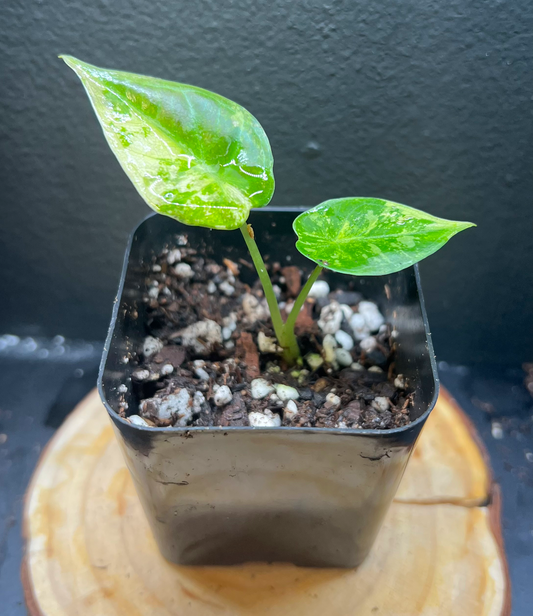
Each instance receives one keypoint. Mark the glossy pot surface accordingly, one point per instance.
(309, 496)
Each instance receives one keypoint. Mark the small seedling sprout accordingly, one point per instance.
(205, 161)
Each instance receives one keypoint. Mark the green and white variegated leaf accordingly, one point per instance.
(370, 237)
(191, 154)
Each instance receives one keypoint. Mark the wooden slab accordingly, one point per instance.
(449, 463)
(89, 550)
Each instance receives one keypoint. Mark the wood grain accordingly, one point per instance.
(89, 550)
(449, 463)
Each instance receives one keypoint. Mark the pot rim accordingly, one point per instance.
(210, 429)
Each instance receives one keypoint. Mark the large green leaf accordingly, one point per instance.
(192, 154)
(370, 237)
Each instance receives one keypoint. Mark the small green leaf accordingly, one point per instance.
(192, 154)
(370, 237)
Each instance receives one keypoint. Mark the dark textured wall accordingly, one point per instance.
(421, 101)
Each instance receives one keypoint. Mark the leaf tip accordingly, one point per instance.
(76, 65)
(68, 60)
(464, 224)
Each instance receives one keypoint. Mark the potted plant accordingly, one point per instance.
(262, 416)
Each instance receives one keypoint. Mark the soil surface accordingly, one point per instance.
(211, 358)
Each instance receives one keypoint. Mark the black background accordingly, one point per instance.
(424, 102)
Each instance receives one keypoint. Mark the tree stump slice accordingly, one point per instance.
(89, 550)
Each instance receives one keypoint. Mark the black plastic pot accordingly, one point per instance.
(309, 496)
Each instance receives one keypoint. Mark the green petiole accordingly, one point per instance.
(284, 330)
(270, 296)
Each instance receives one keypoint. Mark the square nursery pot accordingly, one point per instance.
(221, 496)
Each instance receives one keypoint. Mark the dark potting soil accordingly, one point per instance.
(210, 357)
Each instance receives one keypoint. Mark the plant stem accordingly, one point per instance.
(288, 336)
(284, 331)
(270, 296)
(302, 296)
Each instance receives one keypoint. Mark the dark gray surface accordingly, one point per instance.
(427, 103)
(37, 395)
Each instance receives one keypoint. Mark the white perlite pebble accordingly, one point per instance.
(267, 344)
(359, 327)
(184, 271)
(254, 309)
(343, 357)
(344, 339)
(174, 256)
(197, 401)
(330, 318)
(399, 381)
(381, 404)
(357, 366)
(496, 430)
(346, 311)
(260, 388)
(285, 393)
(184, 410)
(291, 410)
(141, 375)
(275, 401)
(314, 360)
(176, 405)
(277, 291)
(156, 268)
(332, 400)
(223, 396)
(202, 336)
(368, 344)
(201, 374)
(153, 292)
(226, 288)
(373, 317)
(137, 420)
(230, 321)
(151, 346)
(329, 345)
(376, 369)
(226, 333)
(264, 420)
(211, 287)
(167, 369)
(319, 289)
(122, 389)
